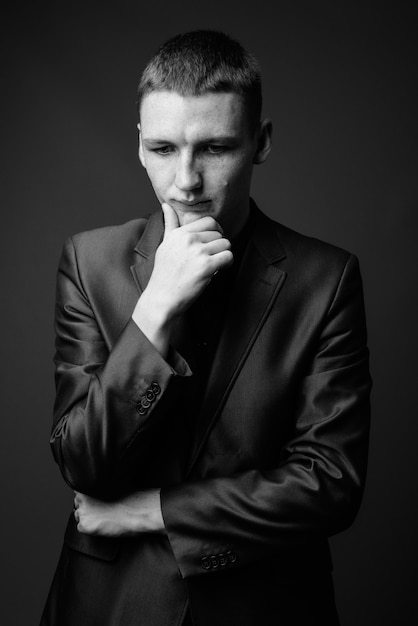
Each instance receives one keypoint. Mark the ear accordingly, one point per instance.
(264, 141)
(140, 146)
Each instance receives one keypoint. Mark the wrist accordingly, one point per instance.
(154, 321)
(153, 310)
(145, 512)
(157, 524)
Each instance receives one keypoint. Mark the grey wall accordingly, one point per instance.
(340, 86)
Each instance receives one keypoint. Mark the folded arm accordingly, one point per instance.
(316, 486)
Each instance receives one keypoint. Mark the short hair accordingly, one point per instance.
(203, 61)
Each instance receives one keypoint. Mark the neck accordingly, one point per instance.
(236, 224)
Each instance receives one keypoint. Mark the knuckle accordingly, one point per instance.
(206, 267)
(188, 238)
(202, 261)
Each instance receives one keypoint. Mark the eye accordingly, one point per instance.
(215, 149)
(163, 150)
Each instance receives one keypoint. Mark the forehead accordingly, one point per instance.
(166, 113)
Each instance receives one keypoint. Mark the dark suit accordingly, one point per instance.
(275, 461)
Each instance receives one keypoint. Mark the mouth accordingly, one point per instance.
(190, 204)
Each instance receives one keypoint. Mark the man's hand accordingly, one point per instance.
(139, 512)
(185, 261)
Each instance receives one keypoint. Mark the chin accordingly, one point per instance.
(191, 216)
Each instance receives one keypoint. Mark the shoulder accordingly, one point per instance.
(106, 245)
(113, 236)
(304, 251)
(314, 268)
(300, 247)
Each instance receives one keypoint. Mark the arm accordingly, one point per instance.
(316, 487)
(184, 264)
(98, 412)
(314, 491)
(108, 400)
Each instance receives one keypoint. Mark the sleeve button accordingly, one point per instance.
(231, 556)
(205, 562)
(214, 561)
(155, 387)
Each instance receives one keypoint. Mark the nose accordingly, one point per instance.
(188, 176)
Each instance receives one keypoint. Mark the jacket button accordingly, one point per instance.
(150, 395)
(231, 556)
(222, 559)
(205, 562)
(140, 409)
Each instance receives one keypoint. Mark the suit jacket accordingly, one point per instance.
(274, 463)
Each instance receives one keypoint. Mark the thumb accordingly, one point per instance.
(171, 221)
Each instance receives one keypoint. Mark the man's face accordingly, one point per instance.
(198, 152)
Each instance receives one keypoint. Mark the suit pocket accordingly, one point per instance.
(105, 548)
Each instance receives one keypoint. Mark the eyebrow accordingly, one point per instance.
(226, 139)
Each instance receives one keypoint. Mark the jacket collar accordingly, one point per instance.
(265, 236)
(152, 235)
(146, 248)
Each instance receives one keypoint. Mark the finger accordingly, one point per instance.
(217, 245)
(204, 224)
(222, 259)
(171, 221)
(208, 235)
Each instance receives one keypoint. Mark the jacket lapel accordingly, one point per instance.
(257, 285)
(145, 250)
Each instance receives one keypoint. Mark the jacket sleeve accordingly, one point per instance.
(105, 398)
(316, 487)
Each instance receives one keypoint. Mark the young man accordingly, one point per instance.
(212, 407)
